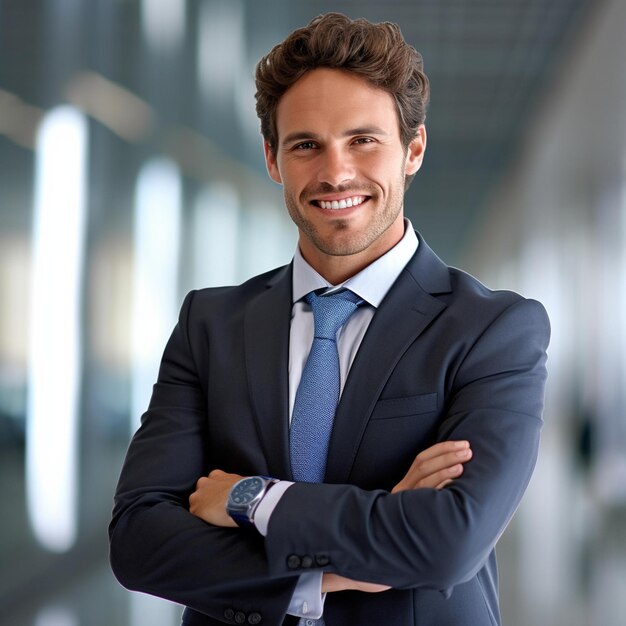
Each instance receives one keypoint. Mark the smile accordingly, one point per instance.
(344, 203)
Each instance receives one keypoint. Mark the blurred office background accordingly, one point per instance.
(131, 171)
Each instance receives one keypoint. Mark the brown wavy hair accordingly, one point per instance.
(376, 52)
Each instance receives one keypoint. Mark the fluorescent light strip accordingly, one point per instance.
(55, 334)
(163, 23)
(220, 36)
(215, 236)
(158, 210)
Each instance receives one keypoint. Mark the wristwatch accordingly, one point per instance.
(245, 496)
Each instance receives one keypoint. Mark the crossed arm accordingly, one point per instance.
(416, 538)
(434, 467)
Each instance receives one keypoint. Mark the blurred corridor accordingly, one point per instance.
(131, 171)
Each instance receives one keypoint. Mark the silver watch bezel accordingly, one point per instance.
(243, 514)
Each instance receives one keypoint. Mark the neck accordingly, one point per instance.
(336, 269)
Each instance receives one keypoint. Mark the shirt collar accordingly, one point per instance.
(371, 283)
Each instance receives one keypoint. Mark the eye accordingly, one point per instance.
(363, 140)
(305, 145)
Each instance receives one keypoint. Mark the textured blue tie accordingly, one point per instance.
(318, 392)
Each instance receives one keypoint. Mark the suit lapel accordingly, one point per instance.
(403, 315)
(266, 336)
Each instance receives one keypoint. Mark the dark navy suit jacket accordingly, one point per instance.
(443, 358)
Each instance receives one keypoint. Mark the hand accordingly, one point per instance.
(208, 501)
(436, 466)
(334, 582)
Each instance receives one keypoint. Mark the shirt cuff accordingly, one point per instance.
(307, 599)
(268, 504)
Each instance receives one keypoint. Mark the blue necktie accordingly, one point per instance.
(318, 392)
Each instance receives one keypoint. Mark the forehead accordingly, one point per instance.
(329, 100)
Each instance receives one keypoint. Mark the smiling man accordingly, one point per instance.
(342, 440)
(343, 167)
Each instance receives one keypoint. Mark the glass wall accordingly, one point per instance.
(555, 231)
(112, 207)
(131, 172)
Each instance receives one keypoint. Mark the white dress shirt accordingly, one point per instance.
(371, 284)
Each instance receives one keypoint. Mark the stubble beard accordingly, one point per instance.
(340, 242)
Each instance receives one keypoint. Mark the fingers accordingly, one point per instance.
(436, 480)
(334, 582)
(371, 587)
(436, 466)
(208, 501)
(217, 474)
(442, 484)
(441, 448)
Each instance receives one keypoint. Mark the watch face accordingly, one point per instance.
(244, 492)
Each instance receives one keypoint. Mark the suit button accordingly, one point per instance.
(240, 617)
(322, 560)
(254, 618)
(229, 614)
(293, 561)
(307, 561)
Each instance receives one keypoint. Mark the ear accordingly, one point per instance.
(270, 163)
(415, 152)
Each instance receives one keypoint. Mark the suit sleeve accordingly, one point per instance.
(156, 545)
(426, 538)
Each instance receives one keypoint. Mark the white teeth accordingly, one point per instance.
(341, 204)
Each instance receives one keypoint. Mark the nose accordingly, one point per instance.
(336, 166)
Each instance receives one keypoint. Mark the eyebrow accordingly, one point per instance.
(303, 135)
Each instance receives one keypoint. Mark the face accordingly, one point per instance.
(342, 166)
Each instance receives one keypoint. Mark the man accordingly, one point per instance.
(378, 516)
